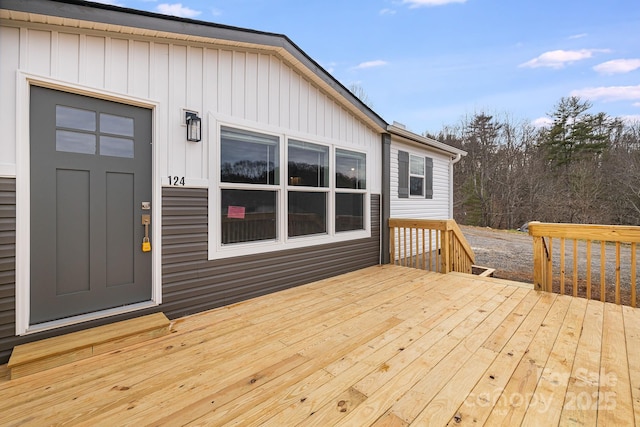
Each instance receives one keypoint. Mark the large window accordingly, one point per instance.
(308, 179)
(249, 178)
(320, 193)
(351, 184)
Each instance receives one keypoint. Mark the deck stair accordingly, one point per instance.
(38, 356)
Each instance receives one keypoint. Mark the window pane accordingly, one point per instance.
(308, 164)
(350, 169)
(416, 186)
(117, 147)
(248, 157)
(417, 165)
(307, 213)
(349, 211)
(75, 142)
(75, 118)
(116, 125)
(248, 215)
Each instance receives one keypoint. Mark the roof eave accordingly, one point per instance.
(423, 140)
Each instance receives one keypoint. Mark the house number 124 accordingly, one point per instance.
(176, 180)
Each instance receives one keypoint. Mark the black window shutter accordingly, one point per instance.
(403, 174)
(428, 185)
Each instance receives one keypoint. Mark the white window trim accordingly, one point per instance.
(219, 251)
(413, 175)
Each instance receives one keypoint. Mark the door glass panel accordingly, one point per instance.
(75, 118)
(116, 125)
(117, 147)
(75, 142)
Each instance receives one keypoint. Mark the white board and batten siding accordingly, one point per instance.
(420, 207)
(255, 88)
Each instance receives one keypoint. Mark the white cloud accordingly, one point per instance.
(618, 66)
(177, 9)
(542, 122)
(387, 12)
(559, 58)
(420, 3)
(370, 64)
(609, 93)
(636, 104)
(578, 36)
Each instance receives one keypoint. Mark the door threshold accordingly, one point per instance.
(68, 321)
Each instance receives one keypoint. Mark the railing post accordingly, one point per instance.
(392, 245)
(445, 249)
(539, 276)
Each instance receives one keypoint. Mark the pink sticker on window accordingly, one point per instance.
(235, 212)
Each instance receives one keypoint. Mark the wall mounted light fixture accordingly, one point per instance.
(194, 127)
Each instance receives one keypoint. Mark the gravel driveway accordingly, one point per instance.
(511, 254)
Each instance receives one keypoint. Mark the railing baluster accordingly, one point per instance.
(575, 267)
(404, 229)
(588, 269)
(423, 251)
(430, 250)
(411, 230)
(562, 266)
(603, 258)
(618, 273)
(633, 283)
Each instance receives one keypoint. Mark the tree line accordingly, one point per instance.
(581, 168)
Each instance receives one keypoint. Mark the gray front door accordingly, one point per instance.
(90, 173)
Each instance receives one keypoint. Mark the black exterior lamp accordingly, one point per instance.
(194, 128)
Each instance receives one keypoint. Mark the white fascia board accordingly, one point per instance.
(410, 137)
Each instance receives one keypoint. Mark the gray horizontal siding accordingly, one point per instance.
(192, 283)
(7, 265)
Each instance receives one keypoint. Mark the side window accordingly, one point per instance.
(415, 176)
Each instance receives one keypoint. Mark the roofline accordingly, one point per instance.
(127, 17)
(423, 140)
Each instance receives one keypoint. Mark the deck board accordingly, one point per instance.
(383, 346)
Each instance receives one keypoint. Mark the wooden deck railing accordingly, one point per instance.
(435, 245)
(609, 268)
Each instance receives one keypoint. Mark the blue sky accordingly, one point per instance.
(430, 63)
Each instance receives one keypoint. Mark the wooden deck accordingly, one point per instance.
(383, 346)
